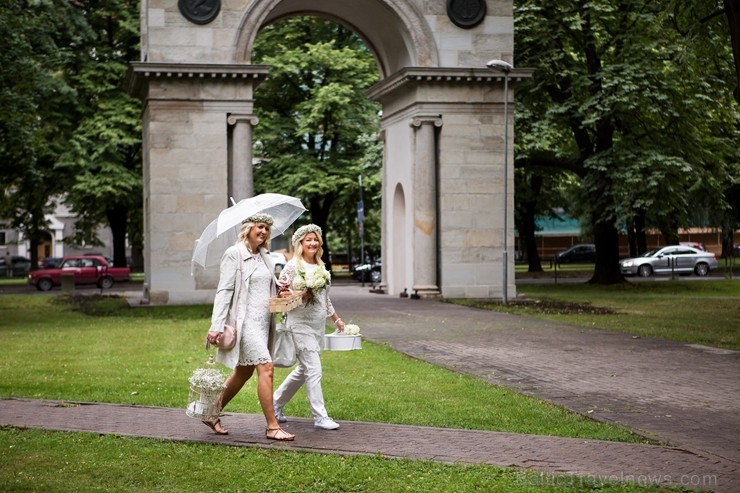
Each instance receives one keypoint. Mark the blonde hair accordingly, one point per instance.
(298, 248)
(244, 235)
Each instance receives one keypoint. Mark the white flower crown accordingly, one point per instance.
(260, 217)
(304, 230)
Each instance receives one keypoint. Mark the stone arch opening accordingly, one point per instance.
(394, 31)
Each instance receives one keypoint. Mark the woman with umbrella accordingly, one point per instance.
(247, 278)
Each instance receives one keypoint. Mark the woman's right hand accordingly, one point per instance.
(213, 337)
(285, 293)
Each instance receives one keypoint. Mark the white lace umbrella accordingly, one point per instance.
(223, 231)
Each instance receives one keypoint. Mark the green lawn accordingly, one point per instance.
(101, 350)
(698, 312)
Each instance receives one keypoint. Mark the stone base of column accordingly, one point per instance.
(379, 288)
(428, 291)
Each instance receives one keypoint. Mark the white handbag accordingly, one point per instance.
(283, 347)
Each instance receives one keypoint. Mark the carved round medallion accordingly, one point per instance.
(199, 11)
(466, 13)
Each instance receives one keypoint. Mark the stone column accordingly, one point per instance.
(425, 206)
(241, 185)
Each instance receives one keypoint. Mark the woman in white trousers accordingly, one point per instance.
(306, 272)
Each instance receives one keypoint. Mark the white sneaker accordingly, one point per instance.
(326, 424)
(279, 415)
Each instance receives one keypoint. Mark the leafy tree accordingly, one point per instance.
(315, 117)
(69, 131)
(104, 153)
(38, 59)
(541, 189)
(703, 25)
(646, 123)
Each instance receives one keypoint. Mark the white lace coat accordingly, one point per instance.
(261, 322)
(308, 321)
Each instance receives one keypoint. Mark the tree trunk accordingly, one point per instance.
(606, 270)
(118, 222)
(732, 10)
(636, 235)
(728, 247)
(640, 232)
(527, 230)
(34, 253)
(670, 236)
(527, 211)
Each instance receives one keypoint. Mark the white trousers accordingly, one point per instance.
(309, 372)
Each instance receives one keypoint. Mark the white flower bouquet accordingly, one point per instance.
(352, 330)
(205, 386)
(348, 339)
(318, 278)
(208, 379)
(312, 282)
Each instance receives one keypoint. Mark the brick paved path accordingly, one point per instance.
(594, 459)
(687, 396)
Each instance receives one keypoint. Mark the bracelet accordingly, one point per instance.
(337, 321)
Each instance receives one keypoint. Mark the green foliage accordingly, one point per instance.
(316, 129)
(40, 44)
(634, 98)
(69, 129)
(104, 153)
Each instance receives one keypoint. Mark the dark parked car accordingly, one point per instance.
(371, 272)
(19, 266)
(677, 259)
(585, 252)
(50, 262)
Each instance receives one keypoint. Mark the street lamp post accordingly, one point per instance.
(505, 68)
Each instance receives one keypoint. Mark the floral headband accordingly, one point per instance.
(260, 217)
(304, 230)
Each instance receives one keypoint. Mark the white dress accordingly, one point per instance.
(308, 321)
(248, 277)
(256, 326)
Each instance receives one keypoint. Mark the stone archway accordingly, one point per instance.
(442, 127)
(395, 31)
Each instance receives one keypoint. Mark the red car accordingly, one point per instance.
(89, 269)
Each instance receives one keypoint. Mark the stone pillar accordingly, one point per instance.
(241, 184)
(425, 206)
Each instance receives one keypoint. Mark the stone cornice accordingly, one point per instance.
(140, 73)
(426, 75)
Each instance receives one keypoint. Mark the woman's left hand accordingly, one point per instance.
(339, 324)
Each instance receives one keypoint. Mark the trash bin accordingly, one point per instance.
(68, 283)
